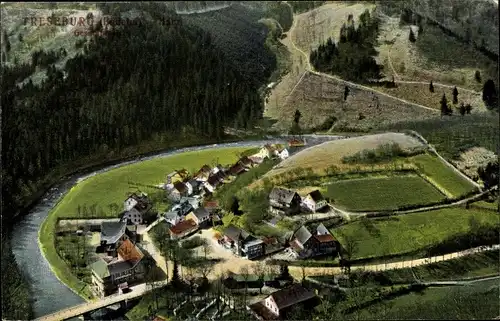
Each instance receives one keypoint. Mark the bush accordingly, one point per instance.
(193, 242)
(382, 153)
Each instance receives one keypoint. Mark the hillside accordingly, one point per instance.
(474, 20)
(320, 98)
(120, 79)
(236, 32)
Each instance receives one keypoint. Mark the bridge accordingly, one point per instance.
(87, 307)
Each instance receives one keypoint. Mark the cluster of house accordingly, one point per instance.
(121, 261)
(283, 201)
(187, 215)
(300, 244)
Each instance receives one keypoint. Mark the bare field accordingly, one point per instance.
(315, 26)
(420, 94)
(434, 56)
(285, 86)
(331, 153)
(318, 97)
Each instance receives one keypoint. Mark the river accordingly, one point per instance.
(50, 295)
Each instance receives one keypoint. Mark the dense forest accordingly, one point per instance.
(352, 57)
(144, 82)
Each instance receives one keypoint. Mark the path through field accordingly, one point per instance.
(277, 97)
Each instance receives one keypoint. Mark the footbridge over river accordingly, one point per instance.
(91, 306)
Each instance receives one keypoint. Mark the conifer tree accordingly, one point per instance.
(455, 95)
(412, 36)
(431, 87)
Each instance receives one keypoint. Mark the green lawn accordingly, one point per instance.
(382, 193)
(111, 188)
(442, 175)
(474, 265)
(410, 232)
(486, 205)
(478, 301)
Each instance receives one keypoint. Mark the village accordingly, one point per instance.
(121, 258)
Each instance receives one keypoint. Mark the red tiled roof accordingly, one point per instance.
(129, 252)
(183, 226)
(211, 204)
(324, 238)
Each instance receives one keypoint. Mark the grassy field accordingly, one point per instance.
(486, 205)
(478, 301)
(457, 134)
(410, 232)
(470, 266)
(441, 175)
(475, 265)
(111, 188)
(382, 193)
(319, 97)
(420, 94)
(331, 153)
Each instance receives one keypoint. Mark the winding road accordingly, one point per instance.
(310, 69)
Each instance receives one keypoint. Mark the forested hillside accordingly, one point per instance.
(136, 83)
(236, 31)
(352, 57)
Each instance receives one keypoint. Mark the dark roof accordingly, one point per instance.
(201, 212)
(236, 169)
(183, 226)
(143, 203)
(194, 183)
(235, 233)
(316, 196)
(282, 195)
(119, 266)
(292, 295)
(180, 186)
(112, 231)
(245, 161)
(184, 208)
(302, 234)
(216, 178)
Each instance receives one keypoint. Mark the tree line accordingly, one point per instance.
(352, 57)
(129, 86)
(147, 82)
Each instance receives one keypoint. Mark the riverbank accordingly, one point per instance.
(96, 190)
(24, 219)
